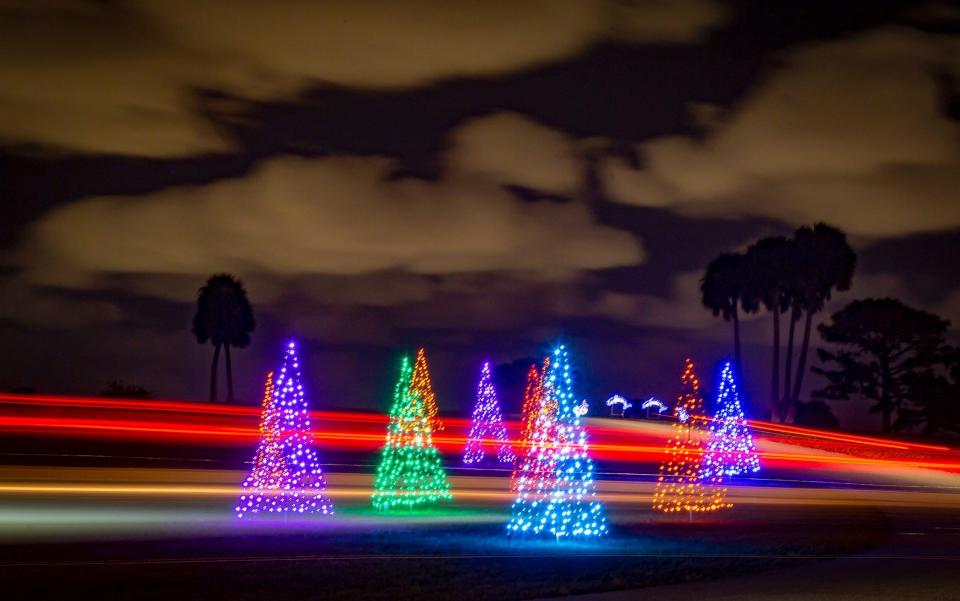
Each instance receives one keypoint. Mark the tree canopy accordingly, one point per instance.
(224, 317)
(881, 351)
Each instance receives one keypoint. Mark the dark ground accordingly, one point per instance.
(919, 562)
(462, 560)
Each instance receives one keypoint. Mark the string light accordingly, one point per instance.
(563, 504)
(532, 412)
(487, 424)
(582, 409)
(532, 400)
(410, 473)
(730, 450)
(680, 486)
(420, 383)
(286, 475)
(654, 402)
(618, 405)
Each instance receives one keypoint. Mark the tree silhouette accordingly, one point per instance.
(797, 282)
(823, 262)
(934, 397)
(120, 390)
(883, 345)
(224, 318)
(768, 268)
(724, 289)
(796, 275)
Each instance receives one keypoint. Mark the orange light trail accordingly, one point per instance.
(637, 494)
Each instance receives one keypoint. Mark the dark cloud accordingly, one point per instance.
(122, 77)
(321, 216)
(100, 77)
(921, 256)
(512, 149)
(806, 145)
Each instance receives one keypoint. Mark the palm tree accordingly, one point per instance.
(225, 318)
(768, 264)
(797, 281)
(825, 262)
(723, 291)
(800, 281)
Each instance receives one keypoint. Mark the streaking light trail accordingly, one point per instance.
(612, 440)
(184, 484)
(183, 407)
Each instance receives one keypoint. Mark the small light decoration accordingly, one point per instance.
(564, 503)
(420, 383)
(286, 475)
(680, 486)
(730, 450)
(531, 413)
(487, 425)
(410, 473)
(618, 405)
(582, 409)
(654, 403)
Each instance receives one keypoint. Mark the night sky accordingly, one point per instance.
(480, 178)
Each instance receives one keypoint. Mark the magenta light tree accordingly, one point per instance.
(286, 476)
(487, 427)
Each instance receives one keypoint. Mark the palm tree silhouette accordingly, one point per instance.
(724, 291)
(796, 275)
(225, 318)
(769, 278)
(824, 262)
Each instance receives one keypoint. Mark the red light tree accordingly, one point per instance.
(680, 486)
(529, 416)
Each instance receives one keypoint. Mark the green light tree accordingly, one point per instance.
(410, 473)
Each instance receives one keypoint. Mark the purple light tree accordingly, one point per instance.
(487, 426)
(286, 474)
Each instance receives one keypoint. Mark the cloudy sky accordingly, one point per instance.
(479, 178)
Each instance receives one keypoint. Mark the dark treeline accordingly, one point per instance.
(896, 356)
(880, 349)
(791, 278)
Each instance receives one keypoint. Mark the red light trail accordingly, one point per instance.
(627, 440)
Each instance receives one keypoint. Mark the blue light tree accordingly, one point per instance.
(566, 505)
(730, 450)
(286, 476)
